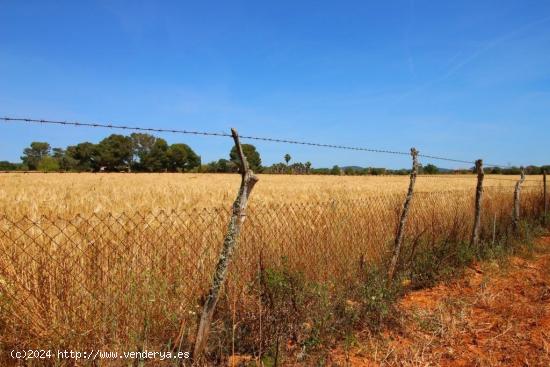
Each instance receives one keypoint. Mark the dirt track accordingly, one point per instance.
(492, 316)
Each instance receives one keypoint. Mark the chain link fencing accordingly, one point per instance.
(134, 281)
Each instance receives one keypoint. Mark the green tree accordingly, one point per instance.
(155, 159)
(211, 167)
(287, 158)
(224, 166)
(297, 168)
(251, 154)
(220, 166)
(115, 152)
(278, 168)
(182, 158)
(85, 155)
(335, 170)
(512, 170)
(376, 171)
(7, 166)
(65, 161)
(48, 164)
(533, 170)
(32, 155)
(349, 171)
(430, 169)
(142, 144)
(58, 153)
(308, 167)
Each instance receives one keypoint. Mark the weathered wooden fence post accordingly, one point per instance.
(404, 215)
(544, 198)
(494, 228)
(238, 215)
(517, 192)
(479, 196)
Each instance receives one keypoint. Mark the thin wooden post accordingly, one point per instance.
(494, 228)
(544, 198)
(517, 192)
(404, 215)
(248, 180)
(479, 196)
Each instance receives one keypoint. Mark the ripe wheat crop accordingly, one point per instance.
(70, 194)
(125, 260)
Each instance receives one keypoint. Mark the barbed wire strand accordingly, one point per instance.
(112, 126)
(221, 134)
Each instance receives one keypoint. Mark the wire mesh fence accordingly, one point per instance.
(136, 280)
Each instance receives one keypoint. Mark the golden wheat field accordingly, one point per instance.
(124, 261)
(78, 193)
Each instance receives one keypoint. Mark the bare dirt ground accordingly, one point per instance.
(493, 315)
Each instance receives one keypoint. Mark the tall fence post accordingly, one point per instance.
(517, 192)
(544, 198)
(404, 215)
(238, 215)
(479, 196)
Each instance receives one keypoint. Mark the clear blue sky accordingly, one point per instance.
(465, 79)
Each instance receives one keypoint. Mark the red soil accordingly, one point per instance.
(491, 316)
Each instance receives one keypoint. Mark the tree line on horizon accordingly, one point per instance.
(141, 152)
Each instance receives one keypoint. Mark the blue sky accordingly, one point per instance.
(465, 79)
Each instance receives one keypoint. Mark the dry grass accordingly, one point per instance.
(72, 274)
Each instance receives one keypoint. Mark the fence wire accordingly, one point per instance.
(222, 134)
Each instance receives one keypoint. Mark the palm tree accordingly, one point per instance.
(287, 158)
(308, 167)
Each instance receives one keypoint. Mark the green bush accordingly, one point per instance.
(48, 164)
